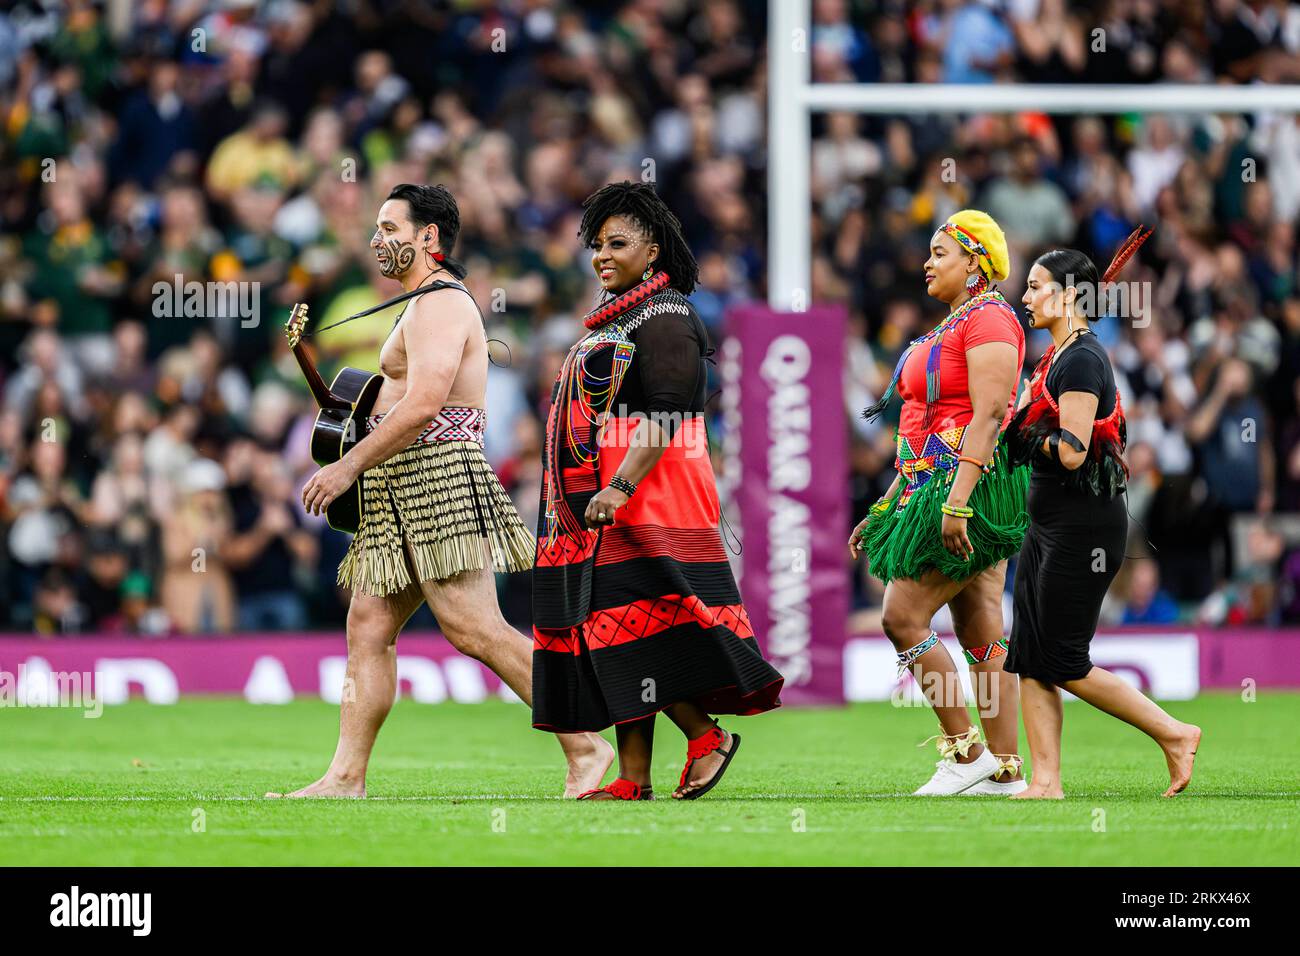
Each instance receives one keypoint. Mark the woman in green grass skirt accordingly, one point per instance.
(956, 511)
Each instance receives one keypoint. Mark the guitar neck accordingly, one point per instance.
(319, 390)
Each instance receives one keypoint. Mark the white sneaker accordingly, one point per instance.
(951, 778)
(988, 787)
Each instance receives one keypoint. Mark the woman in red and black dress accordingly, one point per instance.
(1070, 425)
(635, 609)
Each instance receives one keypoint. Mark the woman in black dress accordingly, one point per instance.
(635, 608)
(1070, 425)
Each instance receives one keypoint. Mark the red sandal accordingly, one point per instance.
(623, 790)
(702, 747)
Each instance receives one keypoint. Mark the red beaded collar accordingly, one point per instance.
(633, 296)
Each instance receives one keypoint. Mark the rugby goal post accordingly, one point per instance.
(793, 98)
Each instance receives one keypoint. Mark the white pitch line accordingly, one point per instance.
(461, 798)
(11, 831)
(451, 798)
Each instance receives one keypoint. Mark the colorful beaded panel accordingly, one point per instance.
(936, 454)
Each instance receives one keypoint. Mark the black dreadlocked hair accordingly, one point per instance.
(640, 203)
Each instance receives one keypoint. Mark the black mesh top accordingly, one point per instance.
(668, 373)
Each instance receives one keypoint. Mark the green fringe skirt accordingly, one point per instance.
(904, 541)
(444, 500)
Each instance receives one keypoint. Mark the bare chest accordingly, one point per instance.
(392, 355)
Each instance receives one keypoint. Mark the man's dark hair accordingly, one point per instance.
(434, 205)
(640, 203)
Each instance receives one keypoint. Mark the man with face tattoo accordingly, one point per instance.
(436, 522)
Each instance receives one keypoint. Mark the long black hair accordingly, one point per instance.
(640, 203)
(437, 206)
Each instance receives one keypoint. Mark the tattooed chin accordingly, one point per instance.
(396, 257)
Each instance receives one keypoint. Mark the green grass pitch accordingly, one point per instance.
(474, 785)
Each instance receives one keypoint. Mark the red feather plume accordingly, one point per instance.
(1126, 251)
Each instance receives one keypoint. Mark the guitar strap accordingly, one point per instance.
(431, 287)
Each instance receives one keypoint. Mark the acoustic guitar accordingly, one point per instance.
(341, 421)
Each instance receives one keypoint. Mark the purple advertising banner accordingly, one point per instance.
(264, 668)
(786, 470)
(275, 668)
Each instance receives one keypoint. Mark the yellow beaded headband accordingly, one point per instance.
(970, 244)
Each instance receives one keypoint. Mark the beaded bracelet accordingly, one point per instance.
(957, 511)
(622, 484)
(984, 466)
(880, 507)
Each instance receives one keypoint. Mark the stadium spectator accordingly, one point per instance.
(1035, 212)
(1147, 603)
(197, 591)
(256, 155)
(155, 128)
(270, 544)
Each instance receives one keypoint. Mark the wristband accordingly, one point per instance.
(984, 466)
(957, 511)
(620, 483)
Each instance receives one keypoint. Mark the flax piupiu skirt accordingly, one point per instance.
(645, 613)
(446, 502)
(1072, 552)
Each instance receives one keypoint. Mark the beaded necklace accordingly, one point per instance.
(935, 335)
(638, 293)
(582, 398)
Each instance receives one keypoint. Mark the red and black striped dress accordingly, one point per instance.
(636, 616)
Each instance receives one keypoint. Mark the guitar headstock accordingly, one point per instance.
(297, 322)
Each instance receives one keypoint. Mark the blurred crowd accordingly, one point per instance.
(152, 447)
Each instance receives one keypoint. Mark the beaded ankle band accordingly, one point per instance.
(986, 652)
(908, 657)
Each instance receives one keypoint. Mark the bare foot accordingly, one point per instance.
(704, 768)
(1036, 792)
(327, 787)
(1180, 754)
(588, 769)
